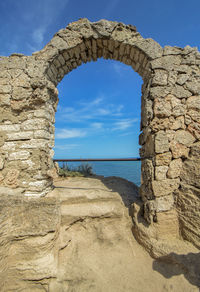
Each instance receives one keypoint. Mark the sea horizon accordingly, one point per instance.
(129, 170)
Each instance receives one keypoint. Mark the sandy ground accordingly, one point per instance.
(138, 271)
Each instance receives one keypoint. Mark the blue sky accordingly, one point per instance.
(99, 109)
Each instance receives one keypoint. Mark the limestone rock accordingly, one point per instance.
(193, 102)
(160, 172)
(180, 92)
(179, 110)
(194, 85)
(190, 173)
(162, 108)
(164, 219)
(174, 100)
(1, 162)
(194, 129)
(161, 142)
(19, 136)
(178, 123)
(165, 187)
(163, 159)
(195, 115)
(19, 155)
(165, 203)
(10, 127)
(179, 150)
(159, 123)
(168, 50)
(166, 62)
(175, 168)
(182, 78)
(11, 178)
(160, 77)
(184, 137)
(188, 205)
(159, 91)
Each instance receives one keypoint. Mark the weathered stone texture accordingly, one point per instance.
(165, 187)
(170, 104)
(175, 168)
(188, 204)
(161, 142)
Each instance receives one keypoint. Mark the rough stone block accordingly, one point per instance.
(178, 123)
(194, 129)
(194, 85)
(160, 77)
(193, 102)
(195, 115)
(10, 127)
(42, 134)
(188, 205)
(184, 137)
(165, 203)
(1, 162)
(179, 110)
(165, 187)
(20, 93)
(19, 136)
(19, 155)
(182, 78)
(163, 159)
(34, 124)
(175, 168)
(160, 172)
(178, 150)
(4, 99)
(168, 224)
(180, 92)
(166, 62)
(5, 89)
(161, 142)
(162, 108)
(11, 179)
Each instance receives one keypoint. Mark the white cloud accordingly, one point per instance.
(85, 111)
(119, 68)
(38, 35)
(124, 124)
(97, 126)
(66, 147)
(70, 133)
(48, 11)
(126, 134)
(103, 112)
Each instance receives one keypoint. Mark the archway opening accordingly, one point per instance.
(98, 116)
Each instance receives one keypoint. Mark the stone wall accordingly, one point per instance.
(170, 116)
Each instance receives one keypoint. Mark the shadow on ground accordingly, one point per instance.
(186, 264)
(128, 191)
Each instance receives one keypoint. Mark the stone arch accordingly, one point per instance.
(83, 41)
(169, 119)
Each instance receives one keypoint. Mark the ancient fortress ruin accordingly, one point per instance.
(170, 117)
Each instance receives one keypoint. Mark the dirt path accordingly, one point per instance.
(102, 254)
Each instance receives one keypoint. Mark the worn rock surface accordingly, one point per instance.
(79, 238)
(170, 120)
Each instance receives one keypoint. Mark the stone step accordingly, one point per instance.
(92, 209)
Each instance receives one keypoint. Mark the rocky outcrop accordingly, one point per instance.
(188, 197)
(79, 238)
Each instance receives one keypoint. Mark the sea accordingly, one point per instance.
(130, 170)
